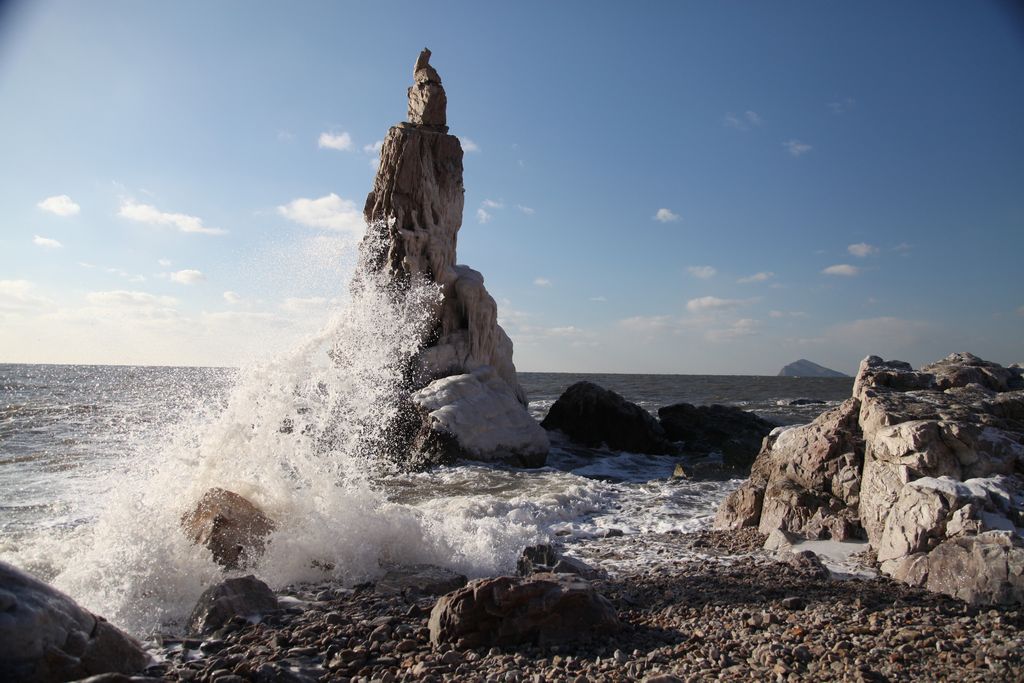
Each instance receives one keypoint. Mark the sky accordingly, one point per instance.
(658, 187)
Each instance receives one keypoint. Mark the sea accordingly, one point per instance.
(98, 463)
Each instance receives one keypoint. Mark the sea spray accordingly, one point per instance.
(302, 436)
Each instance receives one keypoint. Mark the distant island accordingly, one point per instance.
(805, 368)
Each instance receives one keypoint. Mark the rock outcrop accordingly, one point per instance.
(735, 433)
(927, 465)
(541, 609)
(231, 527)
(805, 368)
(593, 416)
(46, 636)
(413, 214)
(244, 597)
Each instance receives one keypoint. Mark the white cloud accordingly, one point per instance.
(599, 299)
(122, 297)
(843, 269)
(542, 282)
(300, 304)
(482, 216)
(702, 272)
(753, 117)
(744, 122)
(145, 213)
(525, 209)
(841, 105)
(374, 147)
(164, 262)
(797, 148)
(787, 314)
(745, 327)
(46, 242)
(713, 303)
(666, 216)
(862, 249)
(763, 276)
(339, 141)
(330, 212)
(232, 297)
(187, 277)
(19, 295)
(61, 205)
(647, 324)
(491, 204)
(903, 247)
(468, 145)
(285, 136)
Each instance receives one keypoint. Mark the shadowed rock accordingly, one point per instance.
(231, 527)
(244, 597)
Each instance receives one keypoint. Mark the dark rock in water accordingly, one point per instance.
(735, 433)
(507, 610)
(419, 579)
(242, 597)
(539, 559)
(591, 416)
(805, 368)
(231, 527)
(46, 636)
(806, 402)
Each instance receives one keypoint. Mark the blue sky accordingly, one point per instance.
(686, 187)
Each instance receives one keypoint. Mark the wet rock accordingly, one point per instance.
(537, 559)
(243, 597)
(231, 527)
(419, 579)
(541, 609)
(733, 432)
(593, 416)
(46, 636)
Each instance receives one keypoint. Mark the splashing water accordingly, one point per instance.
(302, 436)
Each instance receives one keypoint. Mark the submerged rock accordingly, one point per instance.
(46, 636)
(244, 597)
(735, 433)
(541, 559)
(591, 415)
(541, 609)
(231, 527)
(925, 463)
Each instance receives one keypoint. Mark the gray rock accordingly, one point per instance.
(46, 636)
(541, 609)
(983, 569)
(419, 579)
(245, 597)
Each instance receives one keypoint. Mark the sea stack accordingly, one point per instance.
(463, 383)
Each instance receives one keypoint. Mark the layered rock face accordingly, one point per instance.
(414, 213)
(926, 465)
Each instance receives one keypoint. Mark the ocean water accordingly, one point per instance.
(97, 464)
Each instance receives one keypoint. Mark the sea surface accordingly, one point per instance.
(97, 464)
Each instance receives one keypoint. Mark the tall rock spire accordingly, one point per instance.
(414, 213)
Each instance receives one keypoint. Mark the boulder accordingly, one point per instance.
(477, 416)
(231, 527)
(733, 432)
(46, 636)
(245, 597)
(419, 579)
(540, 559)
(983, 569)
(593, 416)
(540, 609)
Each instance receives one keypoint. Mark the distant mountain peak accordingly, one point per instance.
(805, 368)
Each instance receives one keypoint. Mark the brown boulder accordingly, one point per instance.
(245, 597)
(231, 527)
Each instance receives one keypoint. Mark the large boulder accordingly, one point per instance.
(593, 416)
(735, 433)
(507, 610)
(477, 416)
(46, 636)
(231, 527)
(245, 597)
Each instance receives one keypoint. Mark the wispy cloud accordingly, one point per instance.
(188, 276)
(744, 327)
(146, 213)
(340, 141)
(844, 269)
(525, 209)
(164, 262)
(232, 297)
(542, 282)
(468, 145)
(330, 212)
(60, 205)
(373, 147)
(492, 204)
(46, 242)
(763, 276)
(841, 105)
(666, 216)
(862, 249)
(483, 216)
(744, 121)
(121, 297)
(20, 295)
(600, 299)
(295, 304)
(713, 303)
(787, 314)
(701, 272)
(797, 148)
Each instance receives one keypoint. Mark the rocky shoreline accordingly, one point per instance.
(711, 605)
